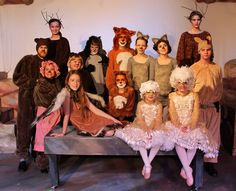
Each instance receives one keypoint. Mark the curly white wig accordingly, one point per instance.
(149, 86)
(182, 74)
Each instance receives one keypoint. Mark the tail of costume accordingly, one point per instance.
(58, 102)
(55, 105)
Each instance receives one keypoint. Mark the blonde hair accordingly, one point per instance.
(74, 57)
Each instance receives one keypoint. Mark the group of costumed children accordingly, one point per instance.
(163, 96)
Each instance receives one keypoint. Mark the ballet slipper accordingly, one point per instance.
(183, 174)
(189, 180)
(143, 170)
(109, 133)
(147, 172)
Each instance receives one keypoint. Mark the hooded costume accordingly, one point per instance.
(25, 76)
(119, 55)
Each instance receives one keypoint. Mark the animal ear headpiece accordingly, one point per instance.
(124, 73)
(40, 42)
(164, 38)
(122, 31)
(202, 43)
(51, 18)
(141, 35)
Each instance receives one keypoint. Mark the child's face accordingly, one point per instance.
(162, 48)
(74, 82)
(75, 64)
(120, 81)
(49, 71)
(206, 52)
(182, 87)
(94, 49)
(150, 96)
(55, 27)
(141, 46)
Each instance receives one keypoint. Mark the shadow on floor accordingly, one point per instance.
(112, 174)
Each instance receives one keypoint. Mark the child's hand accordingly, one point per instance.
(57, 134)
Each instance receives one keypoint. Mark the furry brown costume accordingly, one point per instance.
(121, 98)
(119, 55)
(25, 76)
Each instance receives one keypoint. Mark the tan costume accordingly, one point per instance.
(162, 77)
(209, 87)
(141, 72)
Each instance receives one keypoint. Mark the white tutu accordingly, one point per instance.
(136, 138)
(197, 138)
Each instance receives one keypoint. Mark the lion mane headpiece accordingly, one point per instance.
(122, 31)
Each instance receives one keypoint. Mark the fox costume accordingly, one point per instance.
(120, 53)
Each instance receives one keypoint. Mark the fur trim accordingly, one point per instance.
(182, 74)
(149, 86)
(96, 97)
(61, 96)
(119, 101)
(55, 105)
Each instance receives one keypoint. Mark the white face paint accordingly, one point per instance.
(122, 41)
(120, 81)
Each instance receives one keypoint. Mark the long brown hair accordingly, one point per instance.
(78, 96)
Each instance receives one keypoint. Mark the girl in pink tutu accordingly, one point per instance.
(45, 91)
(188, 133)
(146, 132)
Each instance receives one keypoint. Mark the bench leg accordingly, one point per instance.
(53, 170)
(198, 170)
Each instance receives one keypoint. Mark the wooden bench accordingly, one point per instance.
(73, 144)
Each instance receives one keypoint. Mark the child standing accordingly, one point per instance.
(84, 116)
(163, 68)
(95, 61)
(45, 91)
(209, 86)
(140, 66)
(146, 131)
(189, 133)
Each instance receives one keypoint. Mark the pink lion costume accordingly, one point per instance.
(119, 55)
